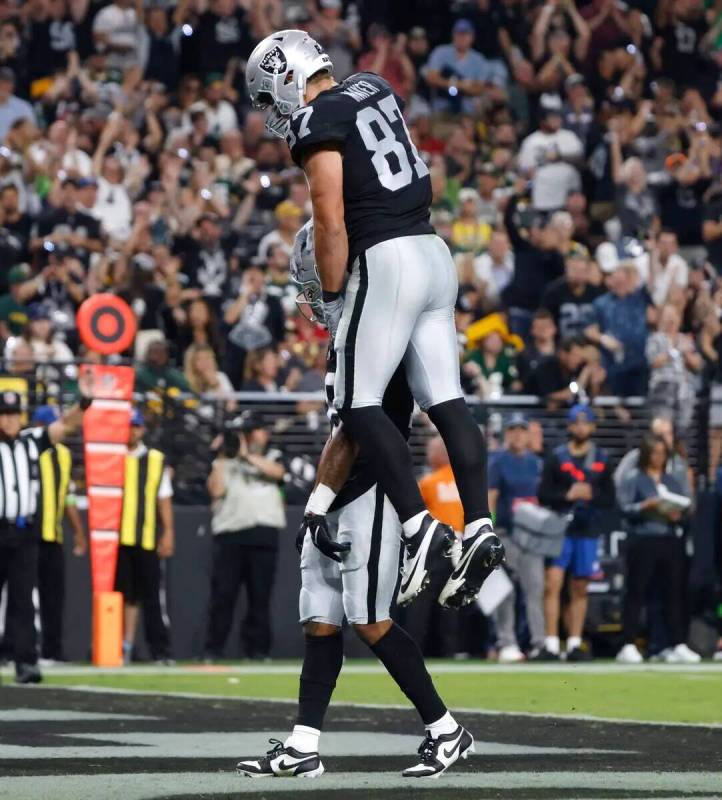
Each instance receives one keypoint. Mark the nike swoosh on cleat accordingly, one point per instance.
(450, 752)
(407, 581)
(282, 764)
(463, 564)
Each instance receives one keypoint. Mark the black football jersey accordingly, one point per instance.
(386, 185)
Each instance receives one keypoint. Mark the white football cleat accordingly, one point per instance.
(438, 754)
(282, 762)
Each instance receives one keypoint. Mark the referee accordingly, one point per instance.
(20, 451)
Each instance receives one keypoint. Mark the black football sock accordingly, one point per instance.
(466, 447)
(381, 442)
(322, 662)
(401, 656)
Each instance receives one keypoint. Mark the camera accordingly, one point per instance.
(231, 444)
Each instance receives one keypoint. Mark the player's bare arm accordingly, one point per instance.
(324, 171)
(334, 469)
(337, 458)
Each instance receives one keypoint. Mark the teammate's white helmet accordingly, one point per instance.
(277, 72)
(304, 273)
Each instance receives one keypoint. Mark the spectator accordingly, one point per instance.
(255, 319)
(469, 234)
(47, 346)
(570, 298)
(488, 184)
(550, 155)
(541, 348)
(677, 464)
(66, 227)
(711, 228)
(12, 108)
(491, 362)
(248, 515)
(206, 260)
(263, 372)
(576, 480)
(115, 32)
(290, 219)
(667, 272)
(338, 36)
(51, 38)
(556, 378)
(159, 49)
(13, 308)
(578, 108)
(458, 75)
(637, 208)
(514, 475)
(388, 59)
(433, 627)
(202, 374)
(620, 330)
(673, 363)
(654, 549)
(219, 114)
(156, 374)
(537, 262)
(199, 328)
(495, 267)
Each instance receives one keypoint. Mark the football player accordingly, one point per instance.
(353, 575)
(371, 193)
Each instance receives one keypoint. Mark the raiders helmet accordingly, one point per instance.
(305, 274)
(277, 72)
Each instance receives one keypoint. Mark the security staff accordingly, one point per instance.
(57, 500)
(147, 494)
(20, 453)
(248, 514)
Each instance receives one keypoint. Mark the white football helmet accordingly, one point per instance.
(277, 71)
(304, 274)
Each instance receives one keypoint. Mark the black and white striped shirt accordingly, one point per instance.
(20, 476)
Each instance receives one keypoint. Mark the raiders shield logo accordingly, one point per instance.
(274, 61)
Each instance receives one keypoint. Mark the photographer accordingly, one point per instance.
(248, 513)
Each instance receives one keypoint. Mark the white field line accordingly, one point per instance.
(350, 668)
(124, 786)
(393, 706)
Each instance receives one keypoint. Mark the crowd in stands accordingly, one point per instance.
(575, 151)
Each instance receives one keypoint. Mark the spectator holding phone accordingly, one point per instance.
(654, 549)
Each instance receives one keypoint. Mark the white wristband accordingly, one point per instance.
(320, 500)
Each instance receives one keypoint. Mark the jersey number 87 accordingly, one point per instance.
(374, 124)
(385, 115)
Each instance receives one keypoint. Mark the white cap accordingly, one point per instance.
(606, 256)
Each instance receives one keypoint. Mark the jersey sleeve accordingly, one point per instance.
(328, 120)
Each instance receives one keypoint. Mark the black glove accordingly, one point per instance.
(317, 527)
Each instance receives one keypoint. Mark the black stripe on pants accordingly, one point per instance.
(51, 591)
(374, 553)
(350, 345)
(647, 557)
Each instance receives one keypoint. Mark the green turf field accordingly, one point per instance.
(655, 696)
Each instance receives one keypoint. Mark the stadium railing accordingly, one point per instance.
(184, 425)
